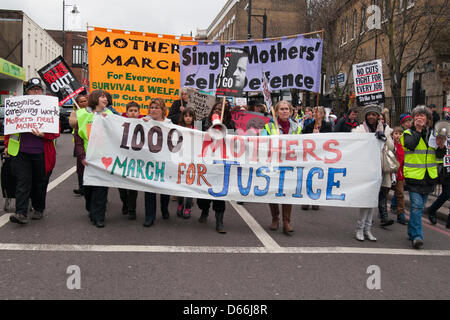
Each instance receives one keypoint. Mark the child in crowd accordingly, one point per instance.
(129, 197)
(400, 179)
(187, 120)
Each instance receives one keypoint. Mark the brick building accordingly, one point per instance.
(423, 81)
(284, 18)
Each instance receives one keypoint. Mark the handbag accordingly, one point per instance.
(389, 163)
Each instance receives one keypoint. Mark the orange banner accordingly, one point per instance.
(134, 66)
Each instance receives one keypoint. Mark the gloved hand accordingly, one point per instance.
(380, 135)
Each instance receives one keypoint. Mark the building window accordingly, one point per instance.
(29, 44)
(355, 23)
(41, 51)
(35, 48)
(363, 19)
(79, 55)
(344, 32)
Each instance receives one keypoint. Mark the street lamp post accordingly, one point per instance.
(74, 10)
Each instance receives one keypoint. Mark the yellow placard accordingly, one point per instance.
(134, 66)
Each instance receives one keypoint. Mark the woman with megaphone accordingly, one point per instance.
(216, 128)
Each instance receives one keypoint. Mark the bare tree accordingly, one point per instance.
(343, 36)
(412, 29)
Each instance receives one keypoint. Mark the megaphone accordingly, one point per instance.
(217, 129)
(442, 128)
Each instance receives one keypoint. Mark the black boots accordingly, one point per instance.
(204, 216)
(219, 222)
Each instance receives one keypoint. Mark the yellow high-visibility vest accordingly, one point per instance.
(419, 160)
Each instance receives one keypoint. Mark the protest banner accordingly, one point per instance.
(369, 83)
(335, 169)
(202, 103)
(134, 66)
(248, 122)
(266, 92)
(60, 80)
(288, 63)
(231, 80)
(24, 113)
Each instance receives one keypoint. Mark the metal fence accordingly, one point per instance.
(405, 105)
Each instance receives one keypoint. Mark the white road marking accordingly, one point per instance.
(262, 235)
(4, 219)
(61, 178)
(217, 250)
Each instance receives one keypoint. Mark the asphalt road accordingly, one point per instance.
(183, 259)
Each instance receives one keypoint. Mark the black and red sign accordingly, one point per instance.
(231, 81)
(60, 80)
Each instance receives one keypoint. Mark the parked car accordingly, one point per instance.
(64, 114)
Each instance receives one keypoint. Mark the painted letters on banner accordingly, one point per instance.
(335, 169)
(24, 113)
(134, 66)
(369, 82)
(60, 80)
(287, 63)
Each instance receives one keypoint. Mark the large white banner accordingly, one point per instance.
(332, 169)
(24, 113)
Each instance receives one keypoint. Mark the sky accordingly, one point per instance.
(174, 17)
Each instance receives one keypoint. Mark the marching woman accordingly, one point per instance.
(157, 112)
(420, 168)
(372, 124)
(82, 102)
(317, 125)
(187, 120)
(218, 205)
(178, 106)
(283, 111)
(34, 157)
(96, 196)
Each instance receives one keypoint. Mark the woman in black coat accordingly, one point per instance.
(318, 125)
(218, 205)
(178, 106)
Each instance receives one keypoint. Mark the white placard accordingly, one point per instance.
(23, 113)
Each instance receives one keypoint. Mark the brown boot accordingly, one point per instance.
(287, 228)
(275, 211)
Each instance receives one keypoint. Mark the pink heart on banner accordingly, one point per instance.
(106, 162)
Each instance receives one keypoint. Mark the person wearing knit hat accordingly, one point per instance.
(383, 132)
(405, 121)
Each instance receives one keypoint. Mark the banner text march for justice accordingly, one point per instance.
(164, 158)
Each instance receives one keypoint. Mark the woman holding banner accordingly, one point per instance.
(34, 157)
(96, 196)
(157, 112)
(218, 205)
(317, 125)
(282, 125)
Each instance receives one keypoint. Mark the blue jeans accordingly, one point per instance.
(418, 202)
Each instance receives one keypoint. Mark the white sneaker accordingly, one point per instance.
(359, 235)
(369, 236)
